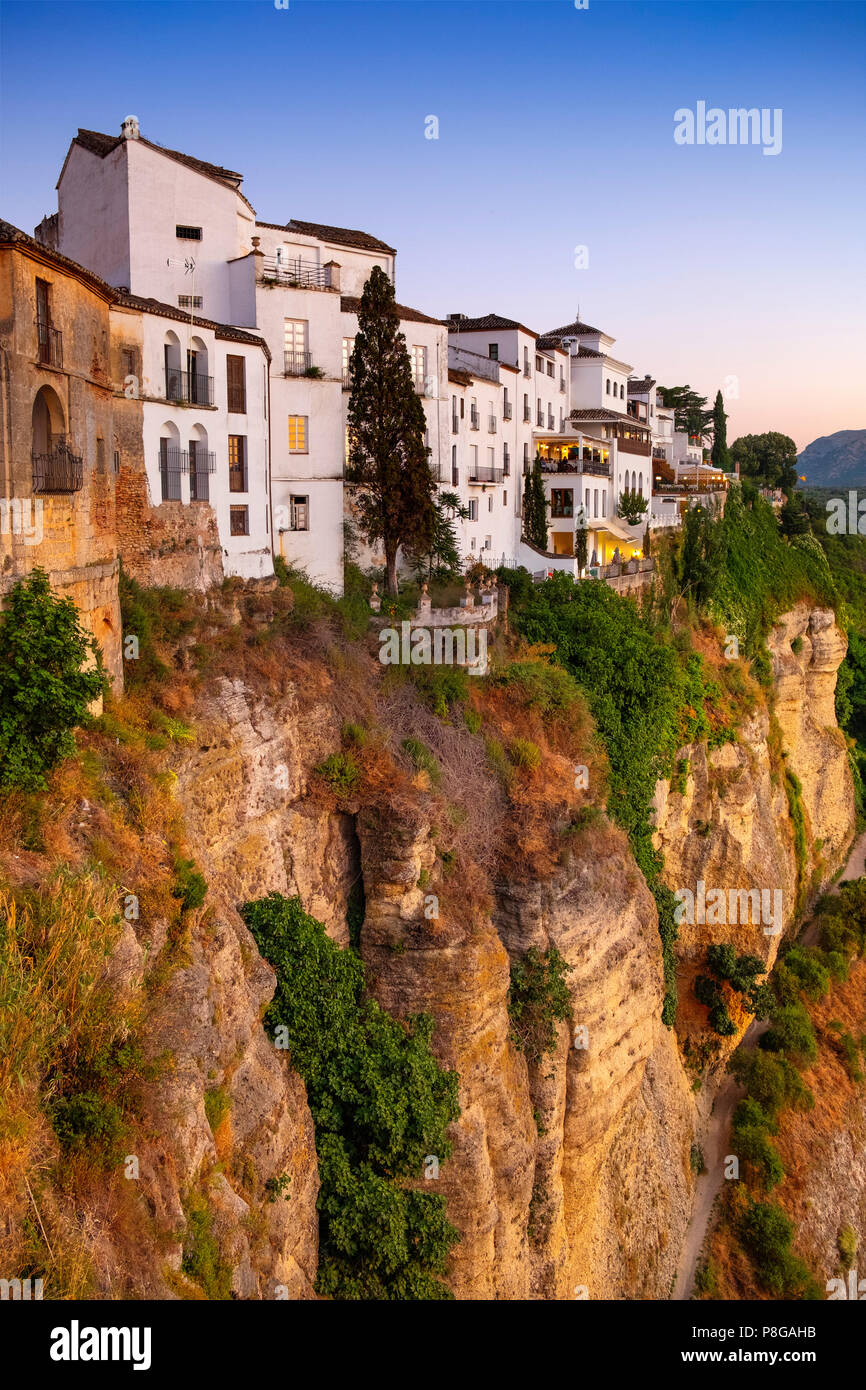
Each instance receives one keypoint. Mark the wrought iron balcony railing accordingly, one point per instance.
(296, 274)
(483, 473)
(188, 388)
(297, 363)
(506, 410)
(58, 470)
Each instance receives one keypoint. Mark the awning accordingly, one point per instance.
(613, 528)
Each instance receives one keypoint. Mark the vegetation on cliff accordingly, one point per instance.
(381, 1105)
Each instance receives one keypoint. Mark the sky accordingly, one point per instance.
(554, 181)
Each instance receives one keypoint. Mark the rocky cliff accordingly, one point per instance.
(571, 1174)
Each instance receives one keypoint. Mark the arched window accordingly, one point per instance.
(172, 463)
(640, 485)
(622, 391)
(201, 465)
(595, 502)
(607, 385)
(55, 467)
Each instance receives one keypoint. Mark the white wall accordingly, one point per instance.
(93, 203)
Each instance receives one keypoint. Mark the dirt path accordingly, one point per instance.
(715, 1144)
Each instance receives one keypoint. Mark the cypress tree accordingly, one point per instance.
(388, 459)
(721, 456)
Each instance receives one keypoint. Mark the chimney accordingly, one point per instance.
(129, 129)
(332, 275)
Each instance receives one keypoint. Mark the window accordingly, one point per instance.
(539, 365)
(239, 521)
(550, 369)
(472, 543)
(505, 498)
(188, 233)
(419, 367)
(595, 497)
(607, 386)
(189, 301)
(348, 349)
(117, 460)
(473, 449)
(170, 468)
(604, 503)
(236, 384)
(473, 509)
(238, 464)
(490, 502)
(562, 502)
(488, 541)
(297, 356)
(298, 434)
(199, 482)
(493, 351)
(100, 455)
(129, 362)
(299, 513)
(526, 458)
(621, 390)
(491, 458)
(455, 472)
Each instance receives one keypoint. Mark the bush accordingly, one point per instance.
(791, 1032)
(44, 689)
(201, 1260)
(189, 885)
(771, 1080)
(422, 759)
(812, 974)
(524, 753)
(380, 1104)
(538, 999)
(766, 1234)
(92, 1124)
(540, 686)
(341, 772)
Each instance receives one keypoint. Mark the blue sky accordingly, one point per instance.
(710, 264)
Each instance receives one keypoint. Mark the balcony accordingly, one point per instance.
(634, 446)
(420, 383)
(562, 385)
(539, 419)
(506, 464)
(551, 422)
(483, 473)
(591, 462)
(298, 275)
(527, 415)
(297, 363)
(455, 424)
(59, 470)
(50, 341)
(188, 388)
(347, 379)
(527, 370)
(473, 418)
(491, 424)
(506, 410)
(200, 465)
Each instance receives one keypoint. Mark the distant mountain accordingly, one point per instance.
(835, 460)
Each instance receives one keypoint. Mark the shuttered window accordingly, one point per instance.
(237, 463)
(237, 384)
(297, 434)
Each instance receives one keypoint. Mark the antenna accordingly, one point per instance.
(188, 267)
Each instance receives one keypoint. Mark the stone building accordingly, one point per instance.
(60, 427)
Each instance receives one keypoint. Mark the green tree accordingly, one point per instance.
(388, 459)
(721, 454)
(702, 556)
(581, 545)
(442, 559)
(535, 506)
(380, 1102)
(45, 684)
(690, 410)
(632, 507)
(771, 459)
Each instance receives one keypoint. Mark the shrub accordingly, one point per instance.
(92, 1124)
(340, 771)
(201, 1260)
(812, 974)
(771, 1080)
(791, 1032)
(846, 1243)
(538, 999)
(380, 1104)
(540, 686)
(422, 759)
(217, 1104)
(44, 689)
(524, 753)
(766, 1234)
(189, 885)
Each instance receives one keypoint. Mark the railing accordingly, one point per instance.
(506, 464)
(420, 383)
(297, 363)
(455, 477)
(347, 379)
(59, 470)
(562, 385)
(633, 446)
(304, 275)
(527, 370)
(455, 424)
(491, 424)
(172, 463)
(189, 387)
(483, 473)
(590, 463)
(50, 341)
(473, 418)
(527, 414)
(506, 410)
(539, 419)
(200, 465)
(551, 422)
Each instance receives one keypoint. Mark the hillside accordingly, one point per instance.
(835, 460)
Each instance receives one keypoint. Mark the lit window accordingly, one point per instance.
(297, 434)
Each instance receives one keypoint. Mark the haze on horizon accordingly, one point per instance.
(708, 264)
